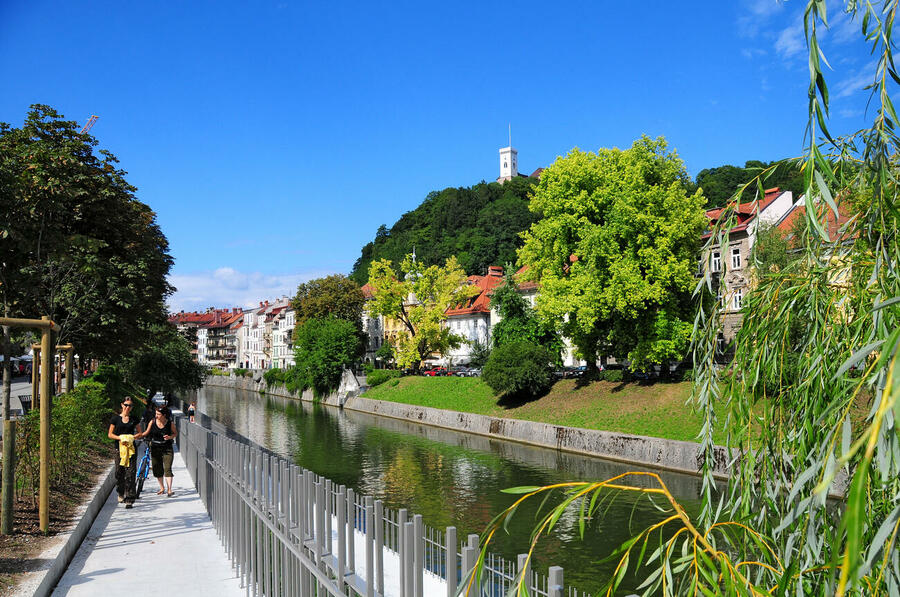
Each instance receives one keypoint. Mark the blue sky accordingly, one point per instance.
(272, 138)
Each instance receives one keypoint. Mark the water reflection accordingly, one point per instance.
(449, 477)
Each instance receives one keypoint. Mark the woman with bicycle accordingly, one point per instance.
(125, 424)
(161, 431)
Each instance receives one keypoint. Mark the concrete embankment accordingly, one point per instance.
(653, 452)
(255, 383)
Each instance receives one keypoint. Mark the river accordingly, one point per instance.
(449, 477)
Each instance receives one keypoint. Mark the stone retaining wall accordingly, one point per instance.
(349, 387)
(655, 452)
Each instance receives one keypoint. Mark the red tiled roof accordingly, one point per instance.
(367, 290)
(480, 303)
(744, 212)
(833, 225)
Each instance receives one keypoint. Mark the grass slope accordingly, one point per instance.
(657, 410)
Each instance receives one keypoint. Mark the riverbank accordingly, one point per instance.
(656, 410)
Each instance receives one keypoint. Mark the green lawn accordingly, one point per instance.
(655, 409)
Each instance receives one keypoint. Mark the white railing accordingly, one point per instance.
(289, 531)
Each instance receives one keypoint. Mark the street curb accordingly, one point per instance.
(68, 543)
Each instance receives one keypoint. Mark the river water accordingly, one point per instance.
(449, 477)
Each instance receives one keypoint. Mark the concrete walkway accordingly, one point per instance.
(164, 545)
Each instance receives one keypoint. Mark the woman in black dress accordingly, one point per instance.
(125, 424)
(160, 433)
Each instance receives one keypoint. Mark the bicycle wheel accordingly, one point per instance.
(140, 485)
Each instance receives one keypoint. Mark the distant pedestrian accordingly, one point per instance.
(124, 428)
(192, 409)
(161, 432)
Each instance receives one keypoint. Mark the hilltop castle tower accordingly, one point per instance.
(509, 168)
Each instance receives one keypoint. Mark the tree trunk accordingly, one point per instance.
(7, 370)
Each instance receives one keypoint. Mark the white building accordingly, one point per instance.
(283, 338)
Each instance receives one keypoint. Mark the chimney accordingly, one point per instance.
(495, 270)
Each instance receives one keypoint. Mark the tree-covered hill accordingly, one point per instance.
(720, 183)
(478, 224)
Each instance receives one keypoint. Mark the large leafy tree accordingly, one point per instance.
(418, 299)
(323, 347)
(163, 363)
(76, 243)
(616, 251)
(335, 295)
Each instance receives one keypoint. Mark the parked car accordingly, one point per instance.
(475, 372)
(435, 372)
(458, 371)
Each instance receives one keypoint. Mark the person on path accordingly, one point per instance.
(161, 432)
(192, 410)
(124, 428)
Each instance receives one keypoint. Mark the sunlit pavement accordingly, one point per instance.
(164, 545)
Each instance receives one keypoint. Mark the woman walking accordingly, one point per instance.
(161, 431)
(124, 428)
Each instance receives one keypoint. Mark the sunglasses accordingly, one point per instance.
(126, 404)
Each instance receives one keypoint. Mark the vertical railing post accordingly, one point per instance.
(379, 546)
(418, 555)
(351, 531)
(402, 550)
(451, 563)
(523, 570)
(370, 553)
(469, 557)
(342, 537)
(409, 559)
(555, 586)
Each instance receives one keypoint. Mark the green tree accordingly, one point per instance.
(616, 251)
(519, 368)
(385, 352)
(76, 243)
(163, 363)
(335, 295)
(418, 300)
(518, 321)
(323, 347)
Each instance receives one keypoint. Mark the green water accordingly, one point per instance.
(450, 478)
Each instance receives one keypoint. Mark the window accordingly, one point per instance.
(735, 258)
(716, 261)
(719, 296)
(736, 298)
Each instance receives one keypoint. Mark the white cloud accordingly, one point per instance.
(755, 17)
(227, 287)
(856, 83)
(750, 53)
(790, 41)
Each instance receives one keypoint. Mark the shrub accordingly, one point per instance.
(379, 376)
(241, 372)
(687, 375)
(274, 376)
(613, 375)
(519, 367)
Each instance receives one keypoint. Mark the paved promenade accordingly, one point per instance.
(164, 545)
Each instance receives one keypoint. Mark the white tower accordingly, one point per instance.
(509, 168)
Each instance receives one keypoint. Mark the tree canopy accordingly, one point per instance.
(480, 225)
(76, 243)
(335, 295)
(418, 299)
(163, 363)
(323, 347)
(616, 251)
(719, 184)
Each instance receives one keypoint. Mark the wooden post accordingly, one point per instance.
(9, 467)
(46, 388)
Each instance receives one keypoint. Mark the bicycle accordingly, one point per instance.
(143, 470)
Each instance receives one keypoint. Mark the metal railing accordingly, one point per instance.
(289, 531)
